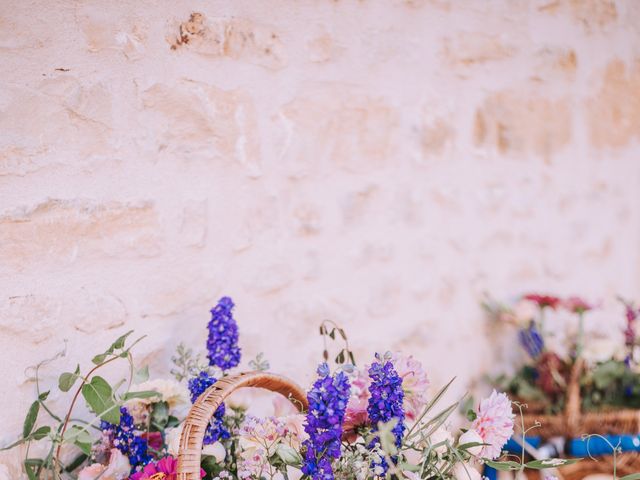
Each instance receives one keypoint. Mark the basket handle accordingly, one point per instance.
(202, 411)
(573, 406)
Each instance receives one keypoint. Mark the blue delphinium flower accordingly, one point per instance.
(216, 429)
(328, 400)
(531, 340)
(125, 438)
(385, 402)
(222, 343)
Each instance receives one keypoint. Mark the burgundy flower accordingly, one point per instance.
(154, 439)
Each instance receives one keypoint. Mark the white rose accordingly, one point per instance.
(293, 473)
(173, 440)
(465, 471)
(600, 349)
(441, 435)
(172, 392)
(216, 450)
(471, 436)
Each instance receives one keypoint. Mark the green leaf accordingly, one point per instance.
(41, 432)
(160, 415)
(76, 462)
(141, 375)
(289, 455)
(503, 466)
(98, 359)
(172, 422)
(141, 394)
(471, 415)
(467, 446)
(99, 396)
(120, 341)
(67, 379)
(84, 448)
(44, 395)
(77, 434)
(31, 467)
(551, 463)
(631, 476)
(30, 419)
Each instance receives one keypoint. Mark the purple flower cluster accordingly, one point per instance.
(126, 439)
(328, 400)
(216, 429)
(385, 402)
(222, 343)
(531, 340)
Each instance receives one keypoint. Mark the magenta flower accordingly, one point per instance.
(165, 469)
(494, 423)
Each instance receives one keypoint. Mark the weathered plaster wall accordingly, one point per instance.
(377, 162)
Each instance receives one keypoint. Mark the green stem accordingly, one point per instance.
(73, 402)
(580, 340)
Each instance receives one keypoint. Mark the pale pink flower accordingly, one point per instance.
(118, 468)
(355, 417)
(356, 413)
(494, 423)
(415, 384)
(91, 472)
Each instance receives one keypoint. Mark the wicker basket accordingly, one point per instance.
(196, 423)
(573, 423)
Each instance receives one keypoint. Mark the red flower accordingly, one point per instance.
(544, 300)
(576, 305)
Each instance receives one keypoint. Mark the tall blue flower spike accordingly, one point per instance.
(385, 402)
(328, 400)
(222, 343)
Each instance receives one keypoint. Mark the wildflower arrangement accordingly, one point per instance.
(377, 421)
(609, 378)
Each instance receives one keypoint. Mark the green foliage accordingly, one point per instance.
(186, 363)
(99, 397)
(259, 364)
(67, 379)
(30, 419)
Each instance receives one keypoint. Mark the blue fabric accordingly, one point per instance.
(514, 447)
(597, 446)
(490, 473)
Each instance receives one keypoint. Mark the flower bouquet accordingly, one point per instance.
(570, 385)
(371, 422)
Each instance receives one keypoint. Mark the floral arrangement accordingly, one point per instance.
(606, 381)
(376, 421)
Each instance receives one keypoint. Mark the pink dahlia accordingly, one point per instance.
(415, 384)
(165, 469)
(494, 423)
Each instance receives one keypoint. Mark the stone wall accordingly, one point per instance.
(380, 163)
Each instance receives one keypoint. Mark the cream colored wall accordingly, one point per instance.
(379, 163)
